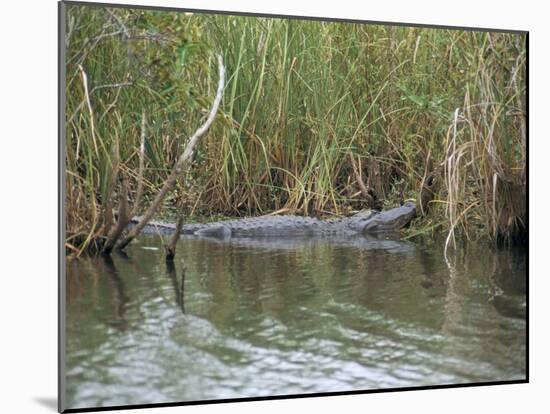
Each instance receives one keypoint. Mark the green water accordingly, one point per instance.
(272, 317)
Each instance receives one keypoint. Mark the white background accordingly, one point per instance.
(28, 191)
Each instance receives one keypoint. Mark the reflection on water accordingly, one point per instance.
(253, 318)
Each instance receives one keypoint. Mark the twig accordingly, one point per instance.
(94, 89)
(123, 218)
(358, 178)
(171, 247)
(80, 56)
(73, 248)
(124, 28)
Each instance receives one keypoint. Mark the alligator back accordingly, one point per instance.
(291, 226)
(270, 226)
(265, 226)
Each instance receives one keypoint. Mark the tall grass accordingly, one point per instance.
(300, 97)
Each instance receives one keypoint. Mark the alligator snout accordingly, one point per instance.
(391, 220)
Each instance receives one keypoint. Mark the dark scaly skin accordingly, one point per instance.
(365, 222)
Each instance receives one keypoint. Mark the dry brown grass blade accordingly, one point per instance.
(141, 168)
(451, 178)
(108, 210)
(89, 104)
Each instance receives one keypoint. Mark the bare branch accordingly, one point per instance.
(123, 27)
(84, 52)
(123, 218)
(180, 164)
(171, 247)
(358, 178)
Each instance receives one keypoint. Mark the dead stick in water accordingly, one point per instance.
(123, 218)
(180, 165)
(171, 246)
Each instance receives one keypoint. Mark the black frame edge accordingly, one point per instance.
(527, 203)
(61, 302)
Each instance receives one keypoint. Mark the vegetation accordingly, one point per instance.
(317, 118)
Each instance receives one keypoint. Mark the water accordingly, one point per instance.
(271, 317)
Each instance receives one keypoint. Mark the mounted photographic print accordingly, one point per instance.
(257, 206)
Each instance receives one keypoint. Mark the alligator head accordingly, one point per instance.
(385, 221)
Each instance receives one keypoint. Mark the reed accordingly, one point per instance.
(300, 98)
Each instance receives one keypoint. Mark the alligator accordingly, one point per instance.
(367, 222)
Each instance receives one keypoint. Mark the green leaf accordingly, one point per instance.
(181, 55)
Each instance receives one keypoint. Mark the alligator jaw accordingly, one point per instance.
(390, 220)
